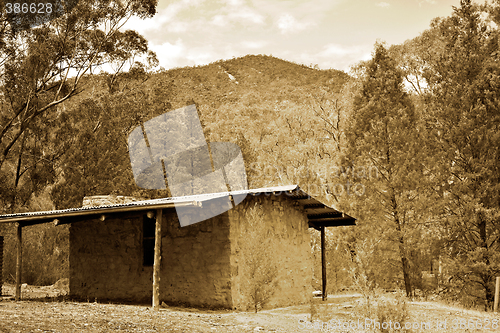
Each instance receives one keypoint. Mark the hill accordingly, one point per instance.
(266, 105)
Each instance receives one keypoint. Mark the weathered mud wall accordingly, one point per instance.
(106, 260)
(207, 264)
(280, 237)
(195, 262)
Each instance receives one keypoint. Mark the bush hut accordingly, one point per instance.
(255, 253)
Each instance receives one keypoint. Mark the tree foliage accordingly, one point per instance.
(465, 116)
(44, 66)
(449, 180)
(383, 135)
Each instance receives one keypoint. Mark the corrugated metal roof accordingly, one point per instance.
(315, 209)
(137, 205)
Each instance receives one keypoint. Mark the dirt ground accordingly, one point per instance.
(46, 309)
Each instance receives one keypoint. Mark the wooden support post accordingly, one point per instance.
(157, 261)
(497, 294)
(19, 262)
(1, 264)
(323, 264)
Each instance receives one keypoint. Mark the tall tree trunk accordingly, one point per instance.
(406, 266)
(487, 278)
(402, 249)
(18, 173)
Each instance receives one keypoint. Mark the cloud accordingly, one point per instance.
(197, 32)
(246, 14)
(339, 50)
(432, 2)
(287, 23)
(178, 27)
(383, 4)
(167, 19)
(236, 11)
(312, 9)
(170, 55)
(333, 56)
(181, 53)
(254, 44)
(220, 20)
(235, 3)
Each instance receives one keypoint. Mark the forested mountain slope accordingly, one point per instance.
(270, 107)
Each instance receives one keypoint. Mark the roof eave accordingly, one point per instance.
(39, 219)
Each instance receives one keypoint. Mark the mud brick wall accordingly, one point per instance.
(196, 267)
(285, 229)
(202, 265)
(106, 260)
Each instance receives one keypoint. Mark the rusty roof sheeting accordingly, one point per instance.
(318, 213)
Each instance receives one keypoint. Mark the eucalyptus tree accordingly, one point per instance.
(44, 65)
(382, 135)
(463, 115)
(454, 69)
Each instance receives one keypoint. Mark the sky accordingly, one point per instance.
(330, 33)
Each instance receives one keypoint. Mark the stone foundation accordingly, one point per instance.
(102, 200)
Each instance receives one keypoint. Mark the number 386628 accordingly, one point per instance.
(25, 8)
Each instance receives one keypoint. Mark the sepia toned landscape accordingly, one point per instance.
(250, 193)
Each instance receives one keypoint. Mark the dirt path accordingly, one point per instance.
(35, 316)
(45, 309)
(52, 314)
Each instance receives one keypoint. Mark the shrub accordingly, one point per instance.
(381, 309)
(395, 311)
(259, 268)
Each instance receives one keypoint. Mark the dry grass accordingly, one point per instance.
(418, 316)
(44, 315)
